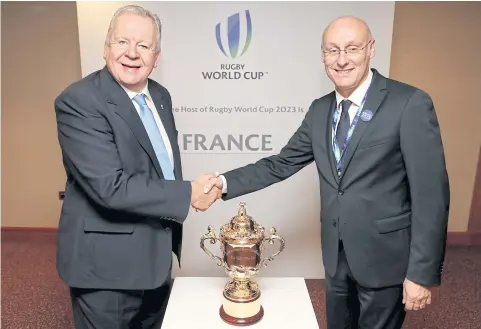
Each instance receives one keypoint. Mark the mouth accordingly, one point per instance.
(131, 67)
(343, 73)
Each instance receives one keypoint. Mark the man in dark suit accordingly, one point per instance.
(385, 192)
(125, 199)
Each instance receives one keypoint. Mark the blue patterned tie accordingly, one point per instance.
(155, 137)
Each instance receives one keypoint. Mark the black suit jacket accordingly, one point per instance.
(391, 203)
(120, 219)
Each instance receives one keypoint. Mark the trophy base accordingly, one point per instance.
(242, 303)
(241, 314)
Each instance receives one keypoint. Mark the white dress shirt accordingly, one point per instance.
(151, 105)
(356, 98)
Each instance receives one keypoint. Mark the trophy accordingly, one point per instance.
(242, 243)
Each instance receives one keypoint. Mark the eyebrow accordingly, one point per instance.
(120, 37)
(348, 44)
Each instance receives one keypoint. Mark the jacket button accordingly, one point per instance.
(341, 192)
(334, 223)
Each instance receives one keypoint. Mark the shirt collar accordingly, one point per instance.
(144, 91)
(358, 94)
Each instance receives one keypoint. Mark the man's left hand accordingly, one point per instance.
(415, 296)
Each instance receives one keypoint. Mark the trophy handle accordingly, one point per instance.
(213, 239)
(271, 239)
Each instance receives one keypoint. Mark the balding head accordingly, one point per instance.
(350, 24)
(347, 47)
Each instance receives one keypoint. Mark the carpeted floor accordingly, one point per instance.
(33, 296)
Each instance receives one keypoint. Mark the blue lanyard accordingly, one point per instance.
(338, 153)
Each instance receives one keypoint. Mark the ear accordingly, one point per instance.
(372, 49)
(106, 49)
(157, 58)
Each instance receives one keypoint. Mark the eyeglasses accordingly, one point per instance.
(123, 45)
(353, 50)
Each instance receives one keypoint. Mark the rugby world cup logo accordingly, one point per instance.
(234, 36)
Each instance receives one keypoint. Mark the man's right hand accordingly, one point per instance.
(202, 198)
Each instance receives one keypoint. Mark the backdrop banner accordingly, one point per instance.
(242, 76)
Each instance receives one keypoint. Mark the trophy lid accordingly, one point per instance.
(242, 228)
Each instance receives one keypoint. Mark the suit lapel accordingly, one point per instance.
(123, 106)
(376, 93)
(330, 151)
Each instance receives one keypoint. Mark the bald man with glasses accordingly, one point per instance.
(385, 193)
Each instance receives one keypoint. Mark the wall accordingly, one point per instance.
(433, 49)
(40, 56)
(0, 116)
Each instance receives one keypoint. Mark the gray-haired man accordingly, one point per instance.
(125, 198)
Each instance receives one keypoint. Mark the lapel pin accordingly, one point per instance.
(161, 106)
(366, 115)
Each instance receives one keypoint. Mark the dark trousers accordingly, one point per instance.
(119, 309)
(352, 306)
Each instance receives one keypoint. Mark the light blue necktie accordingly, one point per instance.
(155, 137)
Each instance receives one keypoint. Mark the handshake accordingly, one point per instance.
(206, 189)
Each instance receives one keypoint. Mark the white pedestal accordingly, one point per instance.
(195, 303)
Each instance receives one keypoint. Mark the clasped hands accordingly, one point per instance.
(206, 189)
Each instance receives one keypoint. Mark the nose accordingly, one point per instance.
(132, 52)
(342, 59)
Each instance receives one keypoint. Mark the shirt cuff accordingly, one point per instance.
(224, 184)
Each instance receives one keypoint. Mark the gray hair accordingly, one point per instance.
(138, 11)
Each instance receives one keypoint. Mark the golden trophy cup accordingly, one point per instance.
(242, 243)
